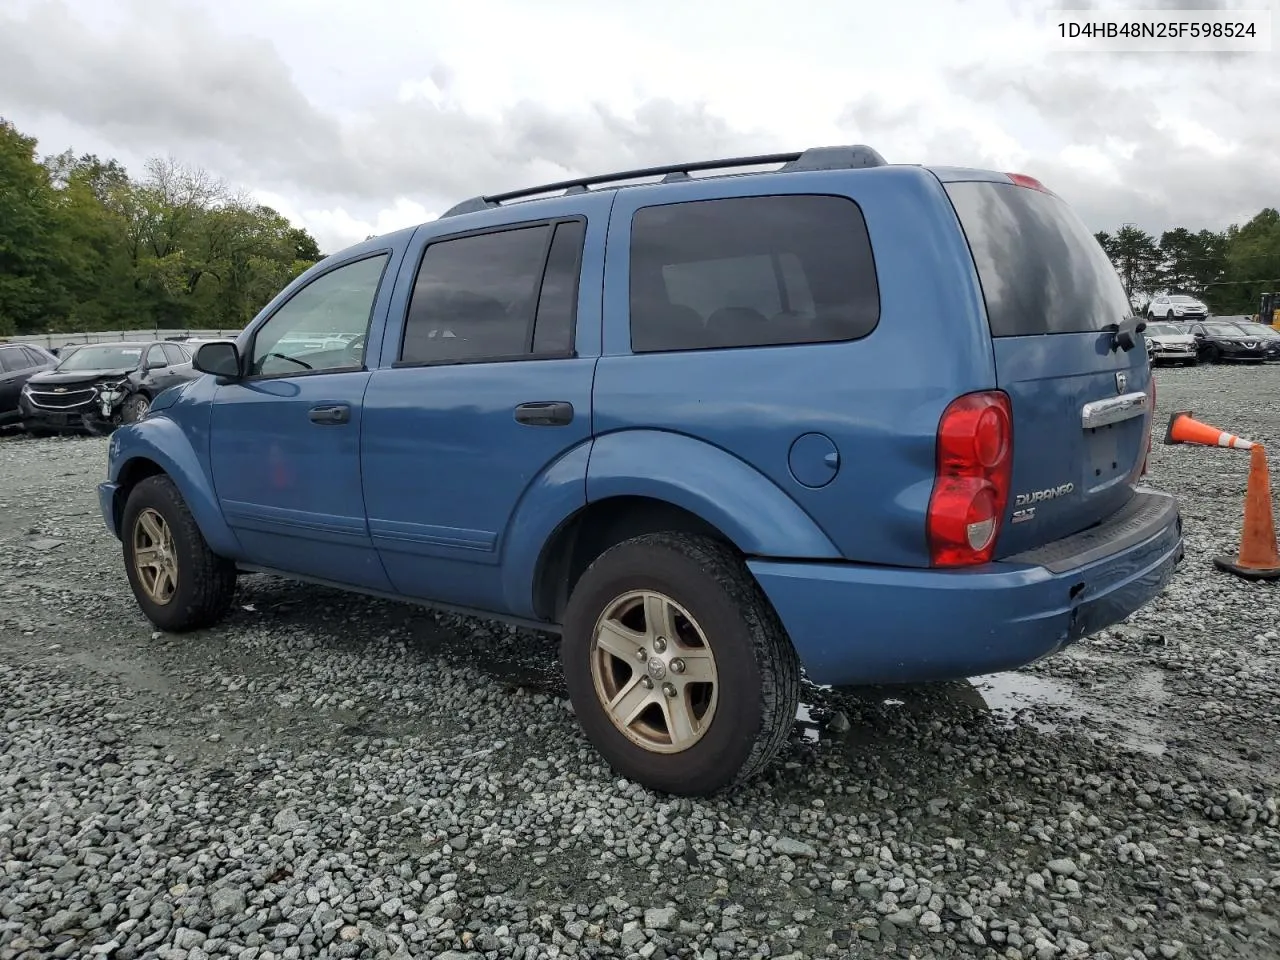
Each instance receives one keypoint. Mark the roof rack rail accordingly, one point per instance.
(815, 158)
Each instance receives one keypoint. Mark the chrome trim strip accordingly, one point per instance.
(1100, 413)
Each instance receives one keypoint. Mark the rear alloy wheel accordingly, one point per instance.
(179, 583)
(679, 671)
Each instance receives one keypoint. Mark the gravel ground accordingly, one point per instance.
(332, 776)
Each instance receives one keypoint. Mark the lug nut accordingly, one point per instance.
(669, 689)
(660, 644)
(642, 654)
(647, 682)
(677, 665)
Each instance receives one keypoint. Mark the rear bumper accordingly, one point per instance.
(855, 624)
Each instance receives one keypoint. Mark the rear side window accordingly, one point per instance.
(35, 358)
(12, 359)
(751, 271)
(1041, 269)
(504, 295)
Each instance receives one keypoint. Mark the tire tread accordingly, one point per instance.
(214, 577)
(775, 656)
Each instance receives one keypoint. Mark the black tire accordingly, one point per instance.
(758, 672)
(206, 582)
(1212, 355)
(135, 407)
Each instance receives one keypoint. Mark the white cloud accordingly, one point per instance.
(358, 118)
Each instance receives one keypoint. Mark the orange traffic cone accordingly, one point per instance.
(1258, 558)
(1183, 429)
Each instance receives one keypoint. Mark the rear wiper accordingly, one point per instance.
(1124, 335)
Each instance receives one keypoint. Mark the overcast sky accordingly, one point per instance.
(355, 118)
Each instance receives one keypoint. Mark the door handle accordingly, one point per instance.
(332, 413)
(545, 413)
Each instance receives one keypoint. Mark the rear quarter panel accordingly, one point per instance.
(879, 398)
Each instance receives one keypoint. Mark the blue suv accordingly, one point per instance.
(876, 423)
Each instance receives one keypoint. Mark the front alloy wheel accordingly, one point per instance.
(178, 581)
(135, 408)
(154, 558)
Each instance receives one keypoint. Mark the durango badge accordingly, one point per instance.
(1040, 496)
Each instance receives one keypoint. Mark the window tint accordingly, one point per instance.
(174, 353)
(474, 297)
(751, 271)
(12, 360)
(1041, 269)
(316, 328)
(554, 328)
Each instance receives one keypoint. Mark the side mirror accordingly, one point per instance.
(221, 359)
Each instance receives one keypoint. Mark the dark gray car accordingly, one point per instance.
(18, 363)
(101, 385)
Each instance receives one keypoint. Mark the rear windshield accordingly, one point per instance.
(1041, 269)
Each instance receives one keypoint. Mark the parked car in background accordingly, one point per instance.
(603, 439)
(101, 385)
(18, 363)
(1269, 336)
(1219, 341)
(1170, 343)
(1177, 307)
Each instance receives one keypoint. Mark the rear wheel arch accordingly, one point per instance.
(597, 527)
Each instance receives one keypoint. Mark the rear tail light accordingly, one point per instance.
(971, 486)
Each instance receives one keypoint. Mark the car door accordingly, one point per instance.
(180, 368)
(156, 375)
(284, 438)
(490, 348)
(14, 370)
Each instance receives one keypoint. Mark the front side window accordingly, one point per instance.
(504, 295)
(175, 354)
(322, 326)
(12, 360)
(751, 271)
(156, 357)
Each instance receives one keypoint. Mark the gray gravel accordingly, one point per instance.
(332, 776)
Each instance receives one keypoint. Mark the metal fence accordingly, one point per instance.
(51, 340)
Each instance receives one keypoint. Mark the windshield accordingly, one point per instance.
(1184, 300)
(1224, 330)
(1162, 330)
(102, 358)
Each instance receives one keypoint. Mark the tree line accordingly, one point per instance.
(1228, 270)
(86, 246)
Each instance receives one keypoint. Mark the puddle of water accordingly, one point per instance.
(1020, 695)
(1027, 700)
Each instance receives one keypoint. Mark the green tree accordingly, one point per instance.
(31, 269)
(1137, 259)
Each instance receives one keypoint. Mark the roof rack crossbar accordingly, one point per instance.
(815, 158)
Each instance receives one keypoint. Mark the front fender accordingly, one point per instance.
(163, 442)
(745, 505)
